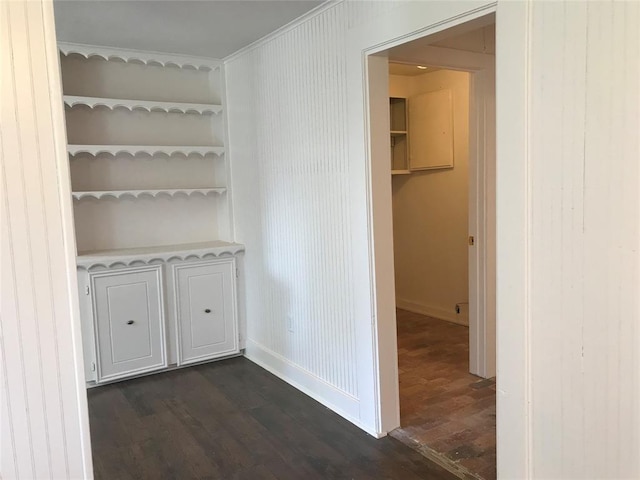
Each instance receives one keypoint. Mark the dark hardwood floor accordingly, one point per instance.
(233, 420)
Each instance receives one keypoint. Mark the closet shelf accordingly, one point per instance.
(148, 105)
(150, 193)
(145, 255)
(400, 172)
(144, 149)
(398, 133)
(145, 58)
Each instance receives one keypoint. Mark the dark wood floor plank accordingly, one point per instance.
(233, 420)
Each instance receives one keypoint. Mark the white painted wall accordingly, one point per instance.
(45, 427)
(584, 119)
(430, 213)
(289, 161)
(568, 211)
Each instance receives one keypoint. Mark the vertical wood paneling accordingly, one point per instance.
(44, 404)
(298, 268)
(585, 210)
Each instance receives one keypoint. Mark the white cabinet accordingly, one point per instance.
(147, 309)
(128, 316)
(205, 311)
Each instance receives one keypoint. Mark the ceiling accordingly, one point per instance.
(409, 70)
(205, 28)
(478, 36)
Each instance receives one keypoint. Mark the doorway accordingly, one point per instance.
(444, 208)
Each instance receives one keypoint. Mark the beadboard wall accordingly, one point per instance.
(585, 206)
(293, 204)
(44, 419)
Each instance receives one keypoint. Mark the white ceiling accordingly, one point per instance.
(409, 69)
(205, 28)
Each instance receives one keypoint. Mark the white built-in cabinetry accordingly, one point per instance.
(150, 178)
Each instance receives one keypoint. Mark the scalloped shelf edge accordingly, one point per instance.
(158, 259)
(127, 258)
(134, 150)
(147, 105)
(139, 57)
(117, 194)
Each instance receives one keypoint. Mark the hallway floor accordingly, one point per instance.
(233, 420)
(446, 413)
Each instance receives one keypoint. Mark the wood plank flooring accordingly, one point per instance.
(233, 420)
(446, 413)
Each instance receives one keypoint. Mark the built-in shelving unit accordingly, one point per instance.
(157, 262)
(146, 136)
(398, 116)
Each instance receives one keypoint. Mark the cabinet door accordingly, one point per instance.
(205, 310)
(129, 322)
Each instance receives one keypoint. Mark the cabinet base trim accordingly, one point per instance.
(169, 368)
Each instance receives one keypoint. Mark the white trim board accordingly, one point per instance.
(431, 311)
(331, 397)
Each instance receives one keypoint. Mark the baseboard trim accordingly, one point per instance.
(431, 311)
(342, 403)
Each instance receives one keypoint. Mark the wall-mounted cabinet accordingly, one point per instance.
(399, 119)
(150, 178)
(431, 129)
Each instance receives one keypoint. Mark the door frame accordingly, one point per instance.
(482, 183)
(513, 223)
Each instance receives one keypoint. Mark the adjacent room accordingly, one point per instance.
(447, 408)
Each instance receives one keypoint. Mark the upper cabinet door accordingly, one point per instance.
(206, 310)
(129, 322)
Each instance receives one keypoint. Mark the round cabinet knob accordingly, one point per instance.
(207, 310)
(130, 322)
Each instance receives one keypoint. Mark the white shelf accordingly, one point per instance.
(400, 172)
(165, 253)
(151, 193)
(149, 106)
(145, 58)
(144, 149)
